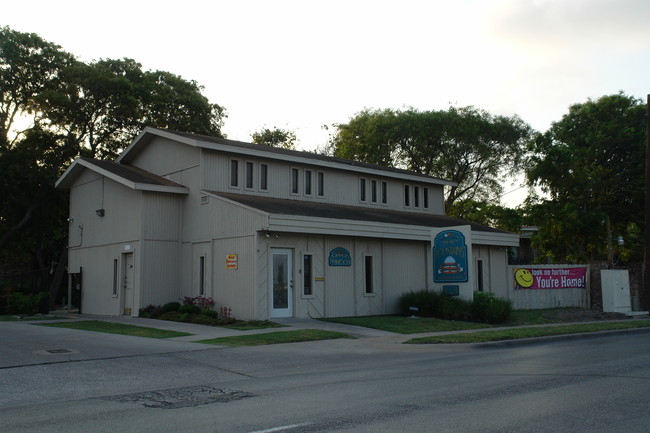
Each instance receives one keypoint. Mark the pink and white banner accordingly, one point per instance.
(550, 278)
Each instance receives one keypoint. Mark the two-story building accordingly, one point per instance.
(265, 231)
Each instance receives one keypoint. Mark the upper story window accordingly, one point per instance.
(416, 196)
(320, 184)
(373, 191)
(307, 182)
(425, 197)
(384, 192)
(362, 189)
(234, 172)
(264, 176)
(249, 175)
(294, 180)
(407, 195)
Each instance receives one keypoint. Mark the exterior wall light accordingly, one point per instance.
(100, 212)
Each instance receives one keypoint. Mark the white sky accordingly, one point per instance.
(300, 65)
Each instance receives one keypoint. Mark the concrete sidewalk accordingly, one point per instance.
(204, 332)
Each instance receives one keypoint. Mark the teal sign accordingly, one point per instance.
(340, 257)
(450, 257)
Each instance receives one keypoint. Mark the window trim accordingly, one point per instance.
(416, 196)
(304, 275)
(363, 187)
(407, 195)
(234, 174)
(320, 184)
(295, 181)
(202, 275)
(368, 275)
(249, 175)
(264, 177)
(308, 184)
(116, 278)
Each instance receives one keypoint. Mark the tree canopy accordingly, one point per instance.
(591, 166)
(466, 145)
(65, 108)
(275, 137)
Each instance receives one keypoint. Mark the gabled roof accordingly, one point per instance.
(128, 175)
(277, 206)
(250, 149)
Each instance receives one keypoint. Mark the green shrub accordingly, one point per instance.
(202, 319)
(489, 309)
(25, 303)
(171, 306)
(485, 307)
(170, 315)
(209, 313)
(452, 308)
(150, 312)
(189, 309)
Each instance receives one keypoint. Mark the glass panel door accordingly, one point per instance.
(281, 283)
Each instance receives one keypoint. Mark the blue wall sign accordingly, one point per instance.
(340, 257)
(449, 257)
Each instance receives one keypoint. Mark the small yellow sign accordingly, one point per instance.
(231, 261)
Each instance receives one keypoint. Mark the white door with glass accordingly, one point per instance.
(127, 286)
(281, 282)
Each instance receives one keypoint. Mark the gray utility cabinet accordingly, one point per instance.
(615, 285)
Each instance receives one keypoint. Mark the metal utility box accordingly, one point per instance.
(615, 285)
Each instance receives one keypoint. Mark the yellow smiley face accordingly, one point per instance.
(523, 277)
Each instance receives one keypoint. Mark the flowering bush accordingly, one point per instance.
(203, 302)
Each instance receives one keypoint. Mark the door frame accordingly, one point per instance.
(127, 301)
(281, 312)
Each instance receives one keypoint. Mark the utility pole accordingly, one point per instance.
(645, 290)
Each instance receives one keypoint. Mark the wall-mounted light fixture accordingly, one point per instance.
(70, 219)
(100, 212)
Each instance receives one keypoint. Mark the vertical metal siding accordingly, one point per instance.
(339, 281)
(404, 269)
(341, 186)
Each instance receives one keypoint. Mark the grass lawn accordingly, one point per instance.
(254, 324)
(116, 328)
(407, 325)
(19, 318)
(529, 332)
(276, 338)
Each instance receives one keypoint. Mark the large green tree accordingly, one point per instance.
(590, 165)
(68, 108)
(467, 145)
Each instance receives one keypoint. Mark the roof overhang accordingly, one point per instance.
(79, 165)
(253, 150)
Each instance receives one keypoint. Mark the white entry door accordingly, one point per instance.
(128, 273)
(281, 282)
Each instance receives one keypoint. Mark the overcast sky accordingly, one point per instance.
(300, 65)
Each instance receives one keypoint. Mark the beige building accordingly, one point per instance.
(266, 232)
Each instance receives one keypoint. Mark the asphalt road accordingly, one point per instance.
(109, 383)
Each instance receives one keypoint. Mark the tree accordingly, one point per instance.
(466, 145)
(75, 108)
(28, 64)
(275, 137)
(102, 106)
(591, 166)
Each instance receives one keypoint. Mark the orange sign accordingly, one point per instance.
(231, 261)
